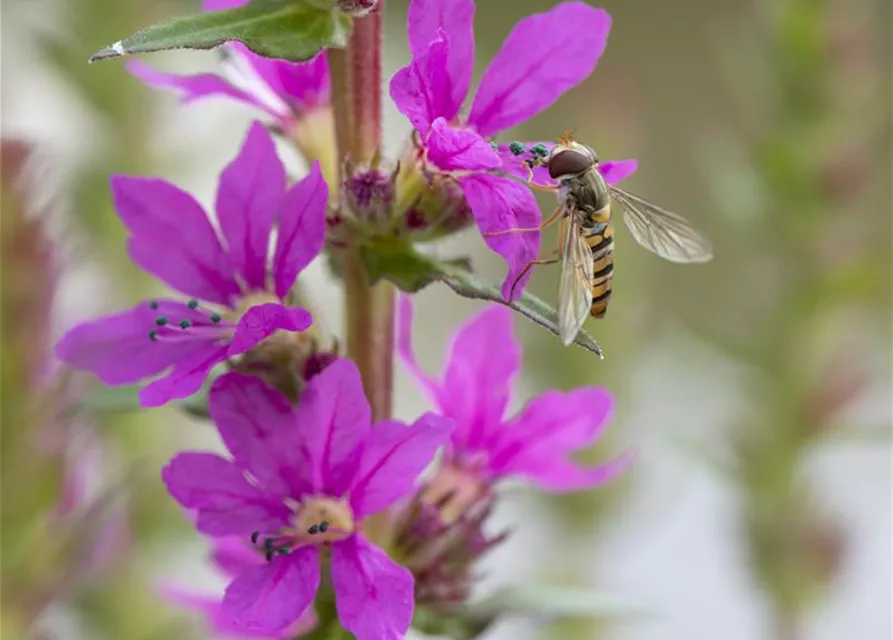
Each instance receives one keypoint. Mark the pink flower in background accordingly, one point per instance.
(233, 556)
(537, 443)
(300, 478)
(544, 56)
(172, 238)
(286, 91)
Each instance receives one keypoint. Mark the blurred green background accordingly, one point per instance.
(757, 388)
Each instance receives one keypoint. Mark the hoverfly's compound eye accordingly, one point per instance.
(567, 163)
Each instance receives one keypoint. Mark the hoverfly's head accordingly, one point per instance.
(570, 159)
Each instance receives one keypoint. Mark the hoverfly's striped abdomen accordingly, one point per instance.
(600, 239)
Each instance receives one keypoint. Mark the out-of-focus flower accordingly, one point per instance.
(294, 95)
(300, 483)
(485, 445)
(232, 556)
(173, 239)
(544, 56)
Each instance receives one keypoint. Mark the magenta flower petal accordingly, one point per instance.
(422, 91)
(253, 419)
(373, 594)
(248, 198)
(427, 21)
(300, 85)
(194, 87)
(450, 149)
(407, 353)
(185, 378)
(271, 596)
(561, 475)
(117, 348)
(216, 620)
(554, 424)
(302, 228)
(220, 5)
(232, 555)
(172, 238)
(616, 170)
(263, 320)
(393, 456)
(483, 362)
(544, 56)
(227, 503)
(499, 204)
(334, 419)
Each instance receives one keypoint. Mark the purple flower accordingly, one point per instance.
(232, 556)
(304, 477)
(485, 445)
(173, 239)
(288, 92)
(544, 56)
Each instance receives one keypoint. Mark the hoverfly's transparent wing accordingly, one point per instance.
(575, 287)
(667, 234)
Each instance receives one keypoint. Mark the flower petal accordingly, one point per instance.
(271, 596)
(422, 90)
(219, 624)
(560, 475)
(373, 594)
(450, 149)
(393, 457)
(173, 239)
(483, 361)
(263, 320)
(232, 555)
(226, 502)
(220, 5)
(405, 350)
(300, 85)
(117, 348)
(334, 419)
(614, 171)
(302, 229)
(499, 204)
(544, 56)
(553, 425)
(187, 377)
(248, 197)
(254, 420)
(426, 21)
(192, 88)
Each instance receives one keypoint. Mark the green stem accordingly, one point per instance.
(369, 309)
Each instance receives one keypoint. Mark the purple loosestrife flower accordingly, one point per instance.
(295, 96)
(173, 239)
(232, 556)
(544, 56)
(485, 445)
(301, 480)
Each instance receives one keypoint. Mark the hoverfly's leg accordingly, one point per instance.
(531, 179)
(554, 257)
(550, 220)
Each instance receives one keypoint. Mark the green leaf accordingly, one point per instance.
(286, 29)
(401, 264)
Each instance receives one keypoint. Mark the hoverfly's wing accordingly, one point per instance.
(575, 287)
(667, 234)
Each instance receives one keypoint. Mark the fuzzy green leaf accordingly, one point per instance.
(286, 29)
(411, 271)
(126, 399)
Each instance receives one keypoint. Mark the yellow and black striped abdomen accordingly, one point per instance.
(601, 243)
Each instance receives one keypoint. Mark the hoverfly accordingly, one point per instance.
(587, 245)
